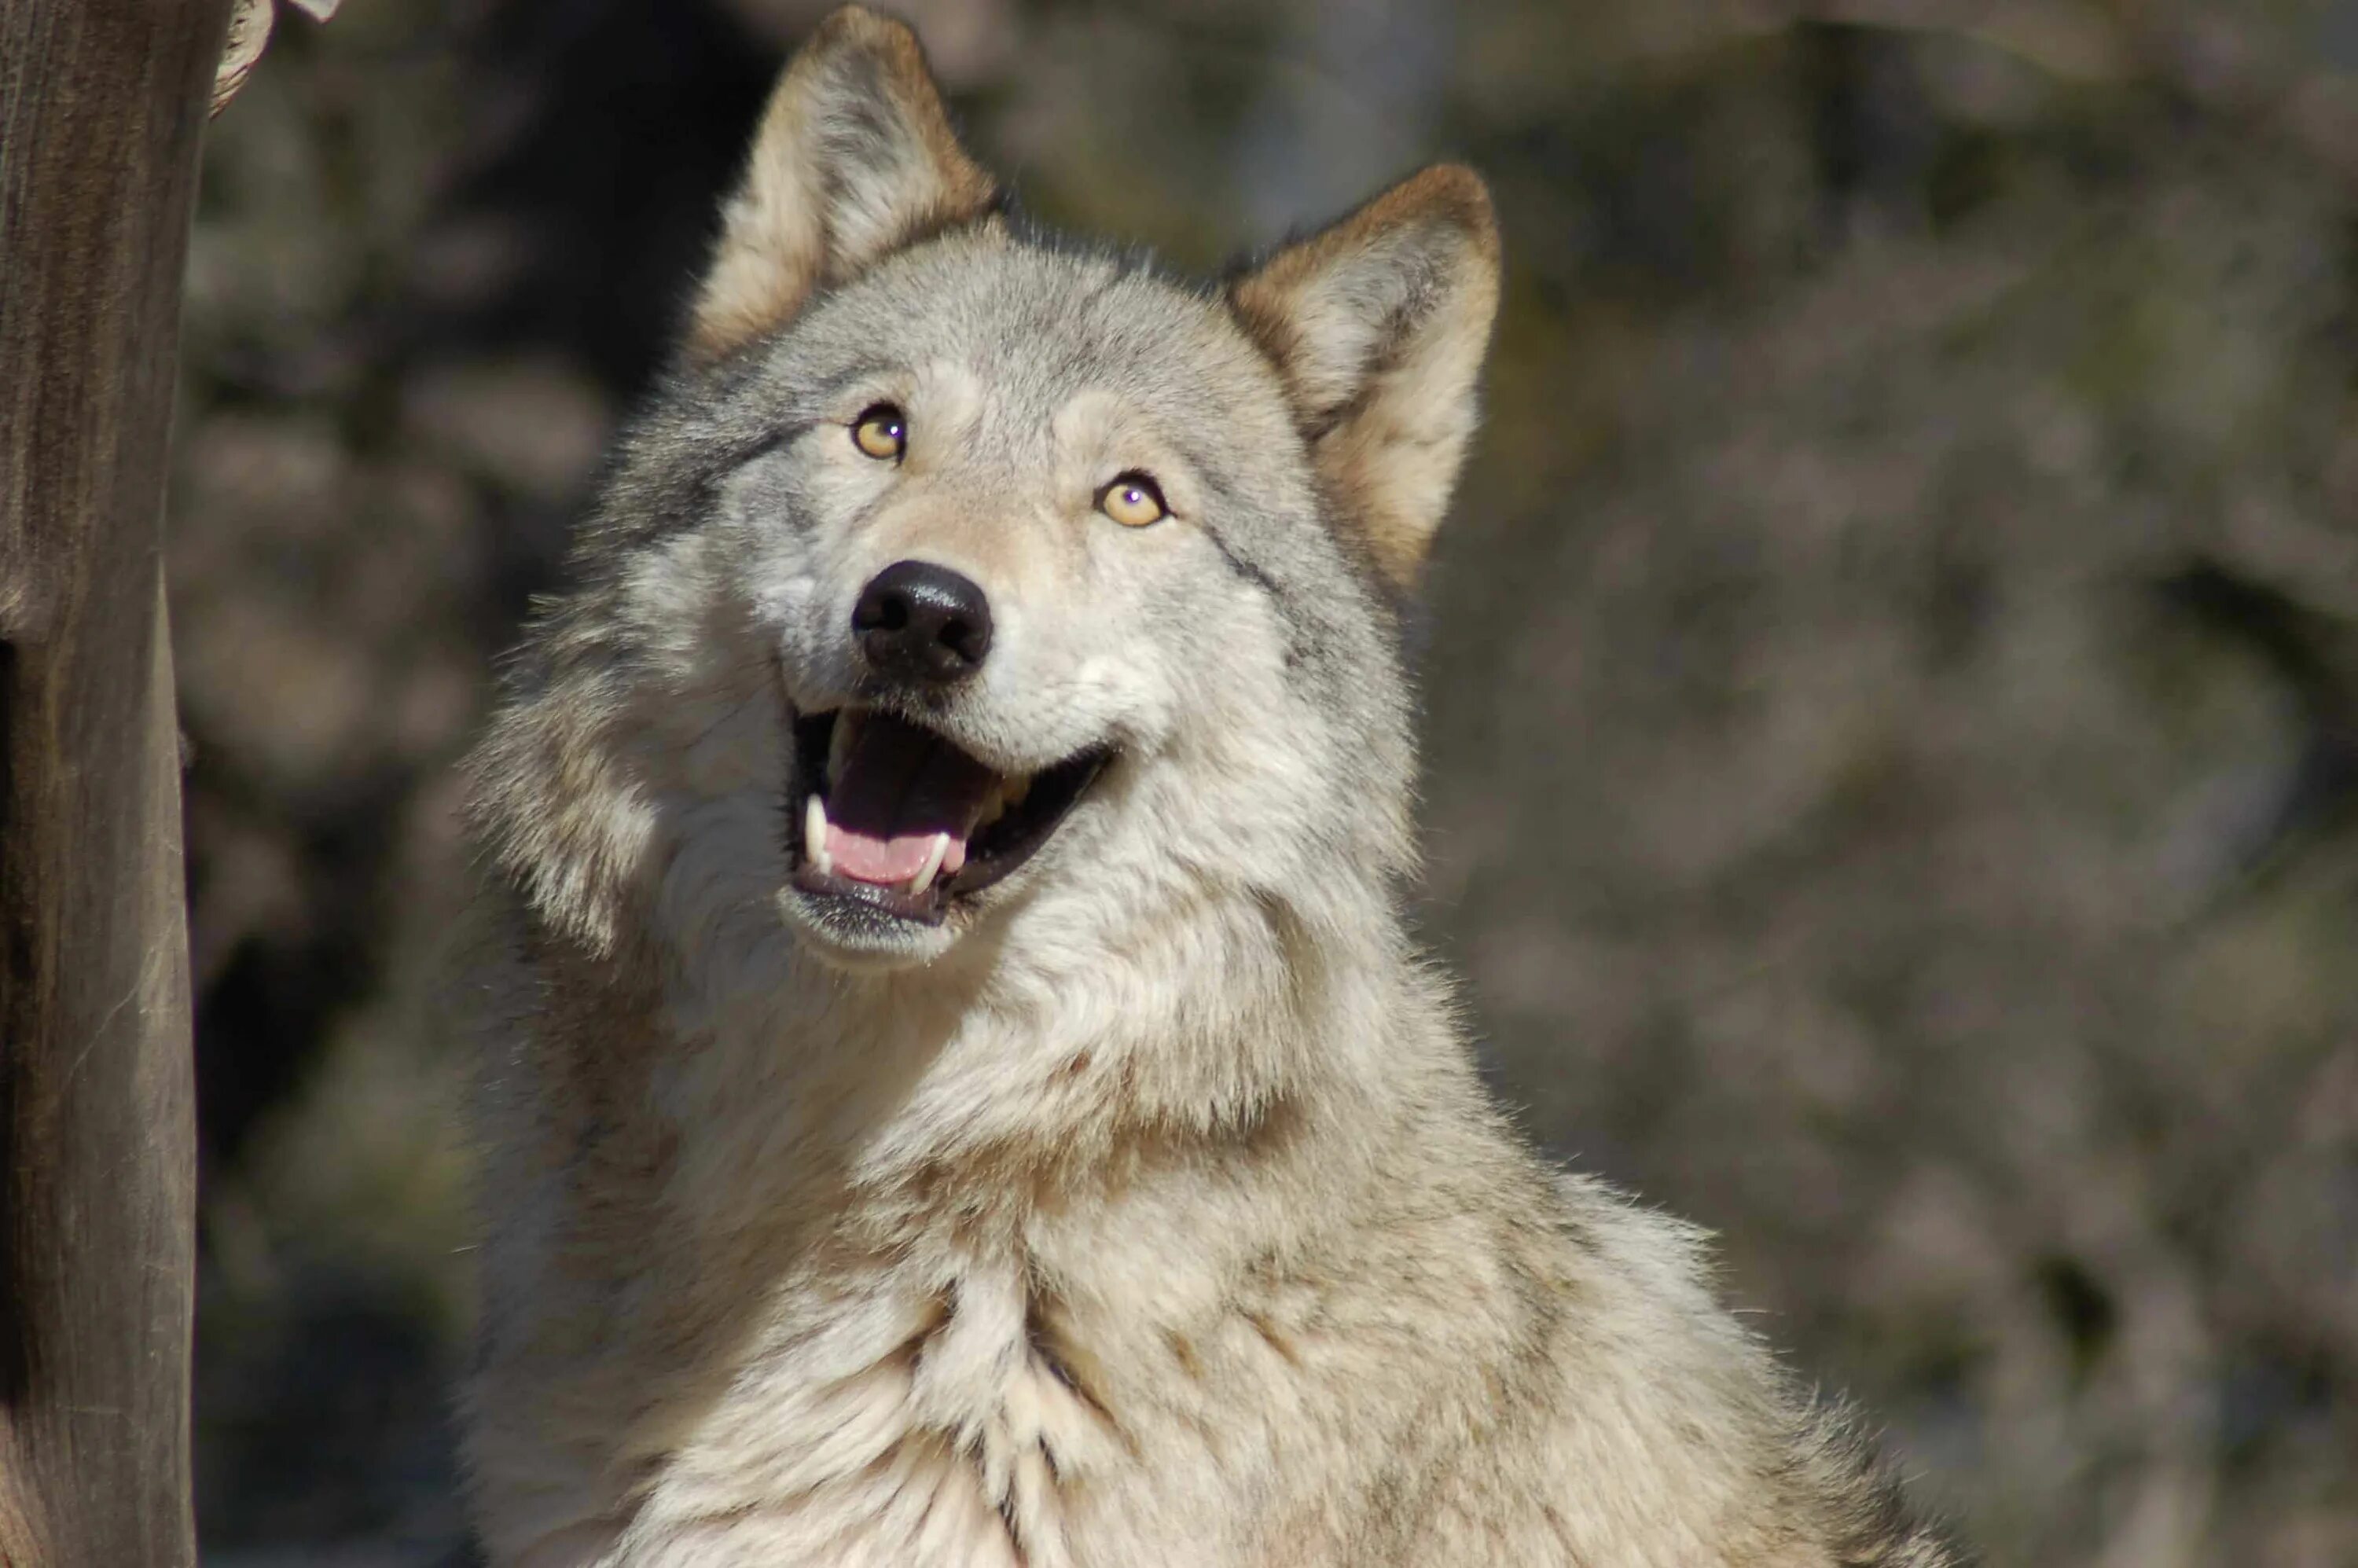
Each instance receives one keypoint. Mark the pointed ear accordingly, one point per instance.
(854, 158)
(1377, 326)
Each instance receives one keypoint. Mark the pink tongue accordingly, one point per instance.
(901, 788)
(889, 860)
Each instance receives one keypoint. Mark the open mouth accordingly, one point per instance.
(895, 817)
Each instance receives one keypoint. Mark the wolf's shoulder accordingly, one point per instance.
(1649, 1374)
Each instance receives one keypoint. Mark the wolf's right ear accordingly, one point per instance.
(1378, 327)
(854, 158)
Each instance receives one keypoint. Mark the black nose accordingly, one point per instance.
(918, 622)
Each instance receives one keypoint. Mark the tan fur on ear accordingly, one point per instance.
(854, 158)
(1379, 326)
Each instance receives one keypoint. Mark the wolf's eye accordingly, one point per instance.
(1133, 500)
(882, 431)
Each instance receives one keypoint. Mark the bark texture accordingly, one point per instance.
(101, 103)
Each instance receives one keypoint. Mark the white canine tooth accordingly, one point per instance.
(814, 836)
(933, 866)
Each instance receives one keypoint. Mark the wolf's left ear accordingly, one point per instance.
(1377, 326)
(854, 158)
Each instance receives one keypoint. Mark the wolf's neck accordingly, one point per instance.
(1060, 1051)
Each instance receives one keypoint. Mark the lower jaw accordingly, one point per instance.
(928, 908)
(849, 931)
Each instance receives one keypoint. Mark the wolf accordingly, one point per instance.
(957, 1086)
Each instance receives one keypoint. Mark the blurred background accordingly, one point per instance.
(1891, 680)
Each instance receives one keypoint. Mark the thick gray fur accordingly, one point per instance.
(1148, 1209)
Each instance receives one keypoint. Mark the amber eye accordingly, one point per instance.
(1133, 501)
(882, 431)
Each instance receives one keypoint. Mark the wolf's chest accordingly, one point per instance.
(887, 1424)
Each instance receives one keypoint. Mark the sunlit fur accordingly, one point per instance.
(1148, 1212)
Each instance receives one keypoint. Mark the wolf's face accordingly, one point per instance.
(1072, 587)
(987, 550)
(1039, 553)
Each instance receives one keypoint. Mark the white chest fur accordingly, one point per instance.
(882, 1421)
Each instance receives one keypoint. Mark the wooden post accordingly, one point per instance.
(102, 102)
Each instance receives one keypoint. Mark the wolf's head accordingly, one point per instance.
(960, 578)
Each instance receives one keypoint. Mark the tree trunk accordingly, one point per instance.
(102, 102)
